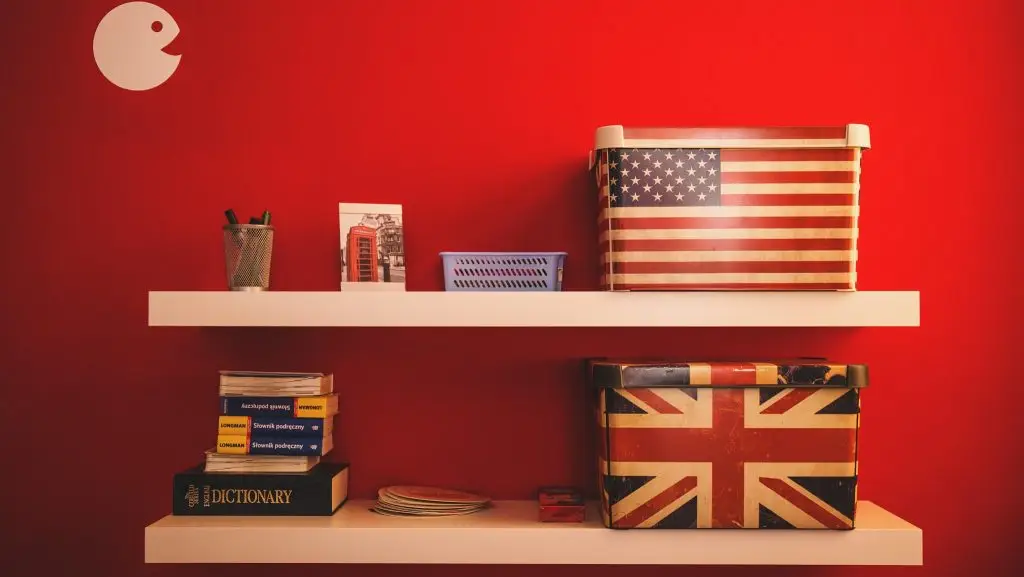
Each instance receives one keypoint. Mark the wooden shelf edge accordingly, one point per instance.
(536, 309)
(510, 534)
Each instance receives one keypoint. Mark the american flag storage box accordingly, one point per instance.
(728, 208)
(727, 445)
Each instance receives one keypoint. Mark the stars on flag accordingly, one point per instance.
(665, 177)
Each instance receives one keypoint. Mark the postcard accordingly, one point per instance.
(372, 247)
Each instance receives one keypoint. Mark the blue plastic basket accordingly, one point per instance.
(503, 271)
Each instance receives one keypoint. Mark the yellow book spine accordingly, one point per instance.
(311, 407)
(233, 444)
(228, 425)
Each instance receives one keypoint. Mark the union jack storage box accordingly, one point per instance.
(727, 445)
(728, 208)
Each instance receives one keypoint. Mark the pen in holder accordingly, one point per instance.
(247, 252)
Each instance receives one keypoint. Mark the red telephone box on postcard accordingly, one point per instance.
(361, 254)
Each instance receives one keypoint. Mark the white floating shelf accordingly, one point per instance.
(534, 309)
(510, 534)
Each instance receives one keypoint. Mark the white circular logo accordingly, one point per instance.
(129, 46)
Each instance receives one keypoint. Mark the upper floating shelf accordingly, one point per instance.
(534, 309)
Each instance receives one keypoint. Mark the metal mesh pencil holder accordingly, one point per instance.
(503, 271)
(247, 252)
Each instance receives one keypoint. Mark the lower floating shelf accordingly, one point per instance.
(509, 533)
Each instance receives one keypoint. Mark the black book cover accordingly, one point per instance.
(320, 491)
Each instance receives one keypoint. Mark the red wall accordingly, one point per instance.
(477, 117)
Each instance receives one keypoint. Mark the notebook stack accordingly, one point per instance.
(273, 422)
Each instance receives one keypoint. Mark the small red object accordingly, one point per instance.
(562, 513)
(561, 505)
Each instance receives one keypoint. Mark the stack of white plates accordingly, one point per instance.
(413, 501)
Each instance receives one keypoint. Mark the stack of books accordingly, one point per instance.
(272, 431)
(273, 422)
